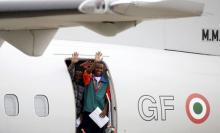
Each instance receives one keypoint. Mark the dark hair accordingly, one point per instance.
(78, 67)
(101, 62)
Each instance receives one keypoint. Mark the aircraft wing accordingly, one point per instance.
(37, 5)
(157, 8)
(29, 25)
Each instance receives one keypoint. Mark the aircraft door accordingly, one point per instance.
(76, 73)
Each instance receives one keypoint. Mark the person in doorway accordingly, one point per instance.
(76, 72)
(96, 87)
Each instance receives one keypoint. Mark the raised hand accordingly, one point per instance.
(75, 57)
(98, 56)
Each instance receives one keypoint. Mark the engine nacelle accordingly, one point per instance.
(94, 6)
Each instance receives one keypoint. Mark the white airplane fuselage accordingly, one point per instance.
(150, 88)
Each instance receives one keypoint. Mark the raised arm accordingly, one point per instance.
(74, 60)
(89, 67)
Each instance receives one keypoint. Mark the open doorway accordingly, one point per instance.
(77, 69)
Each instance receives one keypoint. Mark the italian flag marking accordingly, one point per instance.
(197, 108)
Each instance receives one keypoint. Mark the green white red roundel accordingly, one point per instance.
(197, 108)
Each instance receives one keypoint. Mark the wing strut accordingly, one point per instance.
(31, 42)
(1, 42)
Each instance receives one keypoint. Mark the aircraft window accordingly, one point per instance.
(41, 105)
(11, 105)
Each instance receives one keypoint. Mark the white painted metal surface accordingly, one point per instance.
(135, 72)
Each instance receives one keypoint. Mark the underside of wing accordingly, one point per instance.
(158, 8)
(37, 5)
(29, 25)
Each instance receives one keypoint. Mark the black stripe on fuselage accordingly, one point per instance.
(41, 13)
